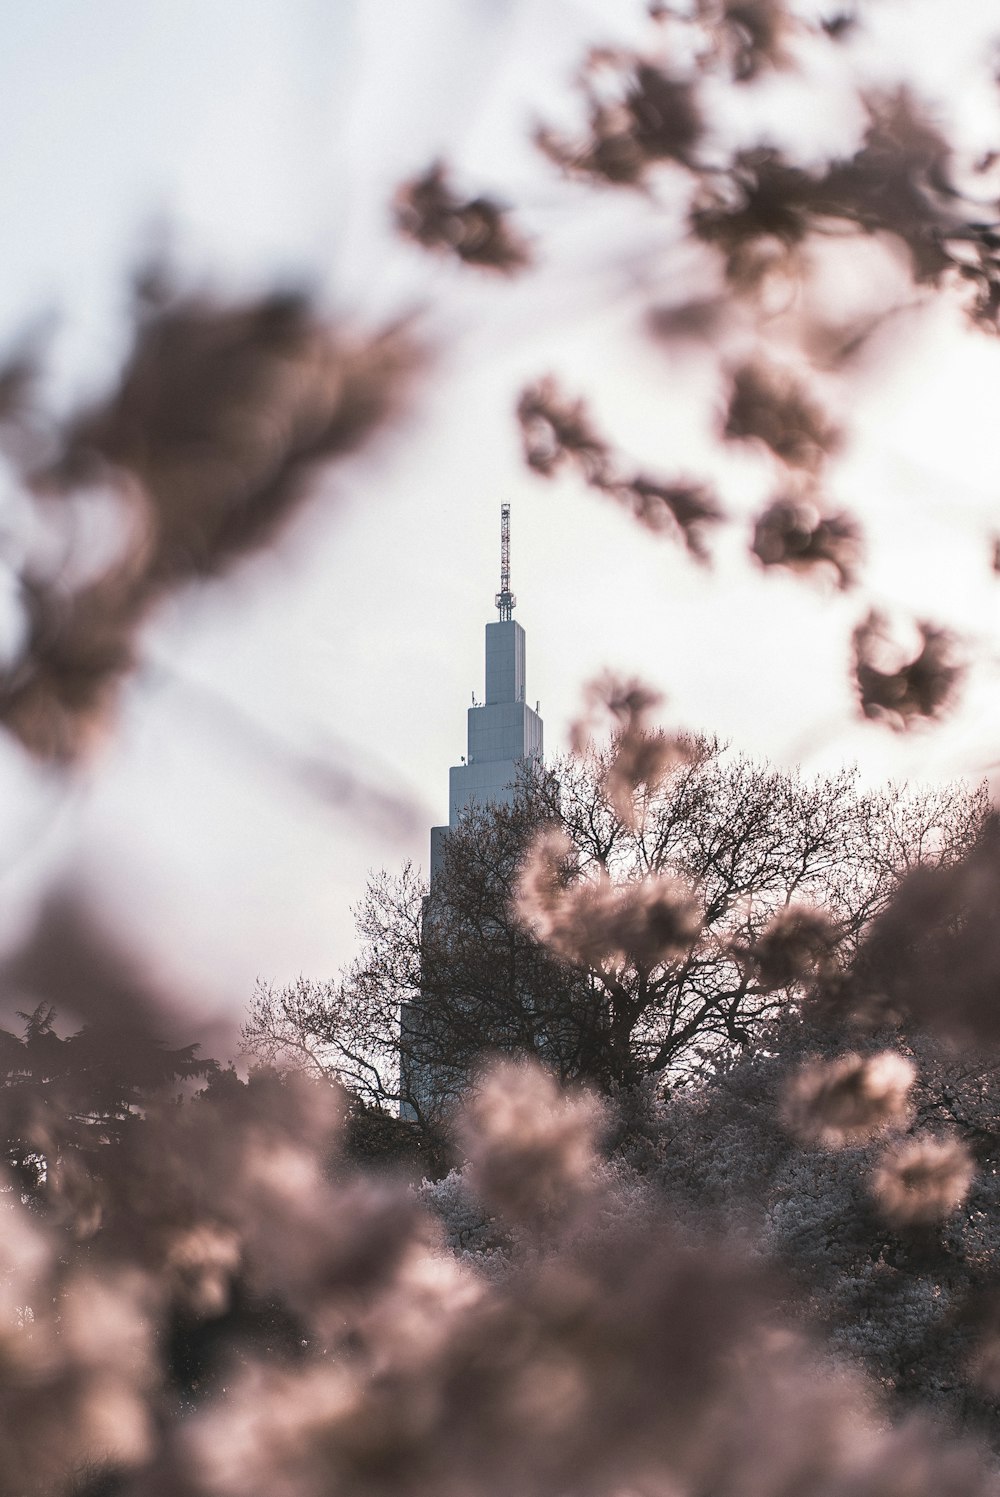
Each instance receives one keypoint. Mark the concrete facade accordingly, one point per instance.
(503, 731)
(504, 662)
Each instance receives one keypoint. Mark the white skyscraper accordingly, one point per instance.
(503, 730)
(503, 733)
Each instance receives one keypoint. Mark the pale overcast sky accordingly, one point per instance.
(268, 136)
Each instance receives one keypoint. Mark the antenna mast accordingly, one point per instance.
(505, 600)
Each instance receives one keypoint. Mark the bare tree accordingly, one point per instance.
(620, 1355)
(441, 979)
(737, 882)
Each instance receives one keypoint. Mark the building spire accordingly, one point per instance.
(505, 600)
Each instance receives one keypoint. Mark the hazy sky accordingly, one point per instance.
(268, 135)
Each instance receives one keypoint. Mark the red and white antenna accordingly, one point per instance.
(505, 600)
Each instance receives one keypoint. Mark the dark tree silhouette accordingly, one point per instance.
(217, 1303)
(66, 1100)
(661, 945)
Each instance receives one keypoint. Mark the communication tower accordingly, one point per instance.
(505, 600)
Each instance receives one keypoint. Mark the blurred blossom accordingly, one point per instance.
(795, 534)
(201, 1261)
(922, 1180)
(754, 33)
(77, 1373)
(221, 417)
(556, 431)
(531, 1146)
(848, 1100)
(983, 1360)
(641, 757)
(769, 405)
(639, 764)
(798, 944)
(920, 687)
(201, 1293)
(613, 1353)
(627, 701)
(684, 508)
(597, 922)
(639, 116)
(478, 231)
(933, 955)
(898, 183)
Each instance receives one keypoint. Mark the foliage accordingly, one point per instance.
(318, 1334)
(651, 938)
(778, 260)
(222, 415)
(65, 1099)
(226, 1305)
(907, 1295)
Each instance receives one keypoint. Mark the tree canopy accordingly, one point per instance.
(65, 1098)
(800, 979)
(619, 938)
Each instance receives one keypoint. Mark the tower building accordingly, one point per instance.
(503, 730)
